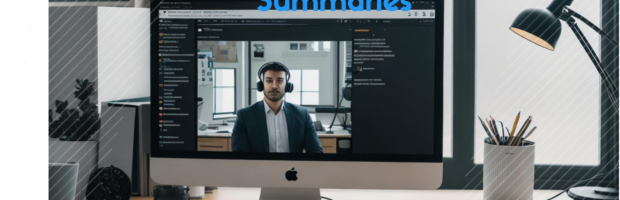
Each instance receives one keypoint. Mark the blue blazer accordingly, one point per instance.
(250, 131)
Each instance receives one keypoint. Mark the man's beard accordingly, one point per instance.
(278, 97)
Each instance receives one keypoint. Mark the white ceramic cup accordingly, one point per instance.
(62, 180)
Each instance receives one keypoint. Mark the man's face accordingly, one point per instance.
(274, 82)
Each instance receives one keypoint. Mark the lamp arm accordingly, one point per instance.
(567, 12)
(608, 82)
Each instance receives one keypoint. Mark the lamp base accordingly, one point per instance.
(593, 193)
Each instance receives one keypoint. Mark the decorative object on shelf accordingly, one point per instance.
(205, 66)
(76, 124)
(259, 52)
(108, 183)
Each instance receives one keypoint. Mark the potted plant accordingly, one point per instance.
(72, 132)
(76, 124)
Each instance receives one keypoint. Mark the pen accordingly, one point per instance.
(501, 127)
(530, 133)
(493, 131)
(517, 139)
(495, 127)
(486, 129)
(490, 127)
(507, 133)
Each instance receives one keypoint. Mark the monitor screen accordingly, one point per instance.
(392, 62)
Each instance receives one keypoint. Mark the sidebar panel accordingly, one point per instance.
(177, 85)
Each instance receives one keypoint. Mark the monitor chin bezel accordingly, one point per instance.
(251, 173)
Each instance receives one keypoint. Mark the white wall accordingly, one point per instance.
(123, 53)
(72, 52)
(206, 91)
(323, 61)
(448, 82)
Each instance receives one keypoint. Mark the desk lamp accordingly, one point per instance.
(543, 28)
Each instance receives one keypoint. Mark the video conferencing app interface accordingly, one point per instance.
(220, 76)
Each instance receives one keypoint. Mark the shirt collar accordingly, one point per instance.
(267, 109)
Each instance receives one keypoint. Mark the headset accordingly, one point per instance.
(260, 86)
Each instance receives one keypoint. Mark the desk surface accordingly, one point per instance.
(339, 132)
(336, 194)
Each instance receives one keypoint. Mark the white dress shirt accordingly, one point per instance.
(278, 130)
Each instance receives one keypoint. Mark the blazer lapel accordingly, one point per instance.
(262, 124)
(290, 124)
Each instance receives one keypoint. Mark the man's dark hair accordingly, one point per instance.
(274, 66)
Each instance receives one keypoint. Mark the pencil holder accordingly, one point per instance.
(508, 171)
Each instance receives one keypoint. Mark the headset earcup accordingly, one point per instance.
(289, 87)
(259, 86)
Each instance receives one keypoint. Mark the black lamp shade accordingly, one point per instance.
(539, 26)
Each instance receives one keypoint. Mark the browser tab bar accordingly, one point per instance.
(256, 14)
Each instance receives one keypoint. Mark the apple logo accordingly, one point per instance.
(291, 175)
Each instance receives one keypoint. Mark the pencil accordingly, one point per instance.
(525, 130)
(522, 131)
(491, 130)
(513, 141)
(490, 127)
(486, 129)
(514, 128)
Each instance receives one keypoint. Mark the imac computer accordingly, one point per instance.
(267, 72)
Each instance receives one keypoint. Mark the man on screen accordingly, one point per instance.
(273, 125)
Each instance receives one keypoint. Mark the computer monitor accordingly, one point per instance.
(396, 59)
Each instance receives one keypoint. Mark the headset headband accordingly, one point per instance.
(260, 71)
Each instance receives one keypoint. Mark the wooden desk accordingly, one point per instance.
(336, 194)
(210, 140)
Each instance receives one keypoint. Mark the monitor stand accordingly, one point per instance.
(290, 193)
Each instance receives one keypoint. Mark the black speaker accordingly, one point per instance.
(108, 183)
(171, 192)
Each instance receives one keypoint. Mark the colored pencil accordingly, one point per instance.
(514, 126)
